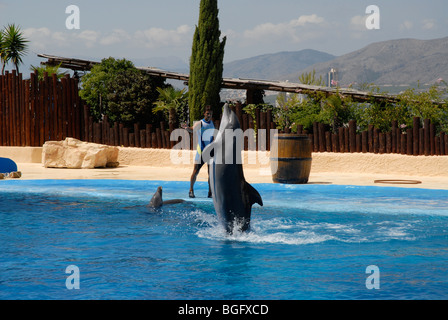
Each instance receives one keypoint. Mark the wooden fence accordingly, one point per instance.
(34, 111)
(410, 141)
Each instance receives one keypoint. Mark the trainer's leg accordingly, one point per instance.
(194, 175)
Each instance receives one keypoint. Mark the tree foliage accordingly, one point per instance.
(50, 70)
(13, 46)
(122, 92)
(170, 103)
(337, 110)
(206, 63)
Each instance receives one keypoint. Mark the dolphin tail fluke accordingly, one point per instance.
(254, 196)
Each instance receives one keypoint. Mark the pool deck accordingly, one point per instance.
(327, 168)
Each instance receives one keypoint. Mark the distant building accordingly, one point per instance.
(333, 79)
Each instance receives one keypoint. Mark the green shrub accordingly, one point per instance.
(122, 92)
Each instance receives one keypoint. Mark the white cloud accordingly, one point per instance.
(117, 36)
(358, 23)
(406, 25)
(89, 37)
(429, 24)
(304, 20)
(292, 30)
(44, 39)
(158, 37)
(40, 37)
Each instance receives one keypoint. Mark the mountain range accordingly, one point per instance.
(394, 62)
(402, 62)
(274, 66)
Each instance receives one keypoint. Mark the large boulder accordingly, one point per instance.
(75, 154)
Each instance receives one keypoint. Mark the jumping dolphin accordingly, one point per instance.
(157, 201)
(233, 197)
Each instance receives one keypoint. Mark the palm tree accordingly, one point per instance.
(169, 100)
(48, 69)
(14, 46)
(2, 51)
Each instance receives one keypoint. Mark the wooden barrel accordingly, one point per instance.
(291, 158)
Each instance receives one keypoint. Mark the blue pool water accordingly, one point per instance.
(307, 242)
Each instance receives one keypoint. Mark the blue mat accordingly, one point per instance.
(7, 165)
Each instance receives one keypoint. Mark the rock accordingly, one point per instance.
(15, 175)
(75, 154)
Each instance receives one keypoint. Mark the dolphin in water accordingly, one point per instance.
(157, 200)
(233, 197)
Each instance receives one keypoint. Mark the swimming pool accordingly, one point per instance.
(307, 242)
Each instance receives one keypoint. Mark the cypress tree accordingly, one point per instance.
(206, 62)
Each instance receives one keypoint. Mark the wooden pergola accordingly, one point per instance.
(250, 85)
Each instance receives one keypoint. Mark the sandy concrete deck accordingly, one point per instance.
(327, 168)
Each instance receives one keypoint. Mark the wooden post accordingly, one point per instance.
(442, 144)
(121, 134)
(148, 135)
(244, 124)
(352, 133)
(389, 142)
(421, 141)
(432, 134)
(239, 112)
(446, 144)
(322, 146)
(137, 135)
(370, 138)
(358, 143)
(381, 143)
(105, 133)
(437, 146)
(142, 138)
(395, 148)
(376, 138)
(132, 140)
(364, 142)
(335, 142)
(347, 139)
(116, 134)
(111, 137)
(316, 137)
(13, 109)
(341, 134)
(409, 142)
(167, 139)
(125, 137)
(416, 135)
(328, 141)
(154, 140)
(427, 137)
(257, 117)
(403, 143)
(159, 138)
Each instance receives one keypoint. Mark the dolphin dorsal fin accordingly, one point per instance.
(254, 196)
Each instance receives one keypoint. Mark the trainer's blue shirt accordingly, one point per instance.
(205, 137)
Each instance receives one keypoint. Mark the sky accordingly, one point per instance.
(139, 29)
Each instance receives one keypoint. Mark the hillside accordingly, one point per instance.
(395, 62)
(274, 66)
